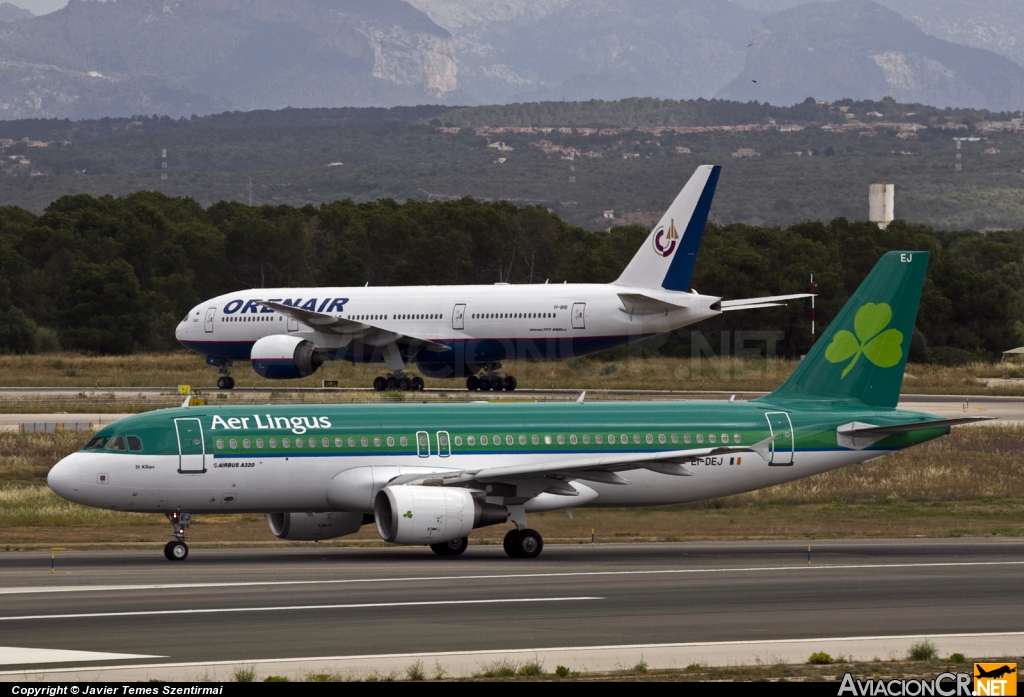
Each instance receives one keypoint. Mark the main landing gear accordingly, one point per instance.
(523, 544)
(400, 381)
(452, 548)
(491, 380)
(176, 549)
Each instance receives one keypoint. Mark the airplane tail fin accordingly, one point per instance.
(860, 358)
(666, 259)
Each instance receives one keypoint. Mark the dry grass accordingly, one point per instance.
(641, 372)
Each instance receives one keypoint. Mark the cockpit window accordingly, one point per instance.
(134, 443)
(96, 443)
(116, 443)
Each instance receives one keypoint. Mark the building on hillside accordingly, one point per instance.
(746, 152)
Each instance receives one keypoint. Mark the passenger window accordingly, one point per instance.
(312, 442)
(134, 443)
(458, 440)
(598, 439)
(675, 438)
(245, 443)
(326, 442)
(483, 440)
(636, 438)
(700, 438)
(650, 439)
(522, 440)
(508, 440)
(470, 440)
(285, 443)
(351, 442)
(586, 440)
(233, 443)
(376, 442)
(391, 442)
(116, 443)
(661, 438)
(547, 440)
(735, 438)
(711, 438)
(220, 444)
(404, 441)
(298, 442)
(364, 442)
(561, 440)
(572, 439)
(686, 438)
(259, 442)
(273, 442)
(535, 440)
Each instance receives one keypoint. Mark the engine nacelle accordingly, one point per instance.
(284, 356)
(312, 527)
(415, 515)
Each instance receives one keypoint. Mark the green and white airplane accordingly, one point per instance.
(428, 474)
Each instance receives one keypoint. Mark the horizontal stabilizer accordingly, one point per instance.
(757, 303)
(857, 435)
(640, 304)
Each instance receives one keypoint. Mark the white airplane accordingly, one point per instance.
(428, 474)
(467, 331)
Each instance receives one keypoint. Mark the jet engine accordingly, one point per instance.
(410, 514)
(314, 526)
(284, 356)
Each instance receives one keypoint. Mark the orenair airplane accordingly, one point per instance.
(467, 331)
(428, 474)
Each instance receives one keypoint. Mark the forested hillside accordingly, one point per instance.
(115, 275)
(579, 159)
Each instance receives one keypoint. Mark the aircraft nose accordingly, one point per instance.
(63, 477)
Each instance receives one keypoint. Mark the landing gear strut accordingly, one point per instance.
(490, 379)
(398, 380)
(225, 381)
(523, 544)
(176, 549)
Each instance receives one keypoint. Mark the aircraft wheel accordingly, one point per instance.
(510, 384)
(222, 383)
(485, 384)
(417, 384)
(380, 383)
(529, 544)
(509, 543)
(403, 384)
(452, 548)
(497, 384)
(176, 551)
(472, 383)
(391, 385)
(231, 383)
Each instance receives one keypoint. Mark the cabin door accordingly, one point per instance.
(579, 311)
(783, 445)
(459, 317)
(191, 447)
(210, 314)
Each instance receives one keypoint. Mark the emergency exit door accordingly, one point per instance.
(459, 316)
(210, 314)
(191, 446)
(783, 445)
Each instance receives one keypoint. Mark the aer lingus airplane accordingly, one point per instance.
(428, 474)
(467, 331)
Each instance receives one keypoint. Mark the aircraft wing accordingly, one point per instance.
(351, 329)
(603, 468)
(640, 304)
(755, 303)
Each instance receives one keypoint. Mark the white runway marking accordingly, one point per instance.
(279, 608)
(478, 577)
(16, 656)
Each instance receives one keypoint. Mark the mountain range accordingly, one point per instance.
(181, 57)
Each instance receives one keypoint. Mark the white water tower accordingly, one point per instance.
(880, 204)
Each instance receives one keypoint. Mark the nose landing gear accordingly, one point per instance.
(176, 549)
(225, 381)
(399, 380)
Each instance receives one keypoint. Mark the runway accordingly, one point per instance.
(297, 606)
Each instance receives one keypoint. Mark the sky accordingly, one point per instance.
(39, 7)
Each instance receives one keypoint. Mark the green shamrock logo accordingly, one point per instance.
(879, 345)
(407, 514)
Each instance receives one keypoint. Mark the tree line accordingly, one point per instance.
(112, 275)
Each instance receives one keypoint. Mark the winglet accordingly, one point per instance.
(579, 400)
(187, 402)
